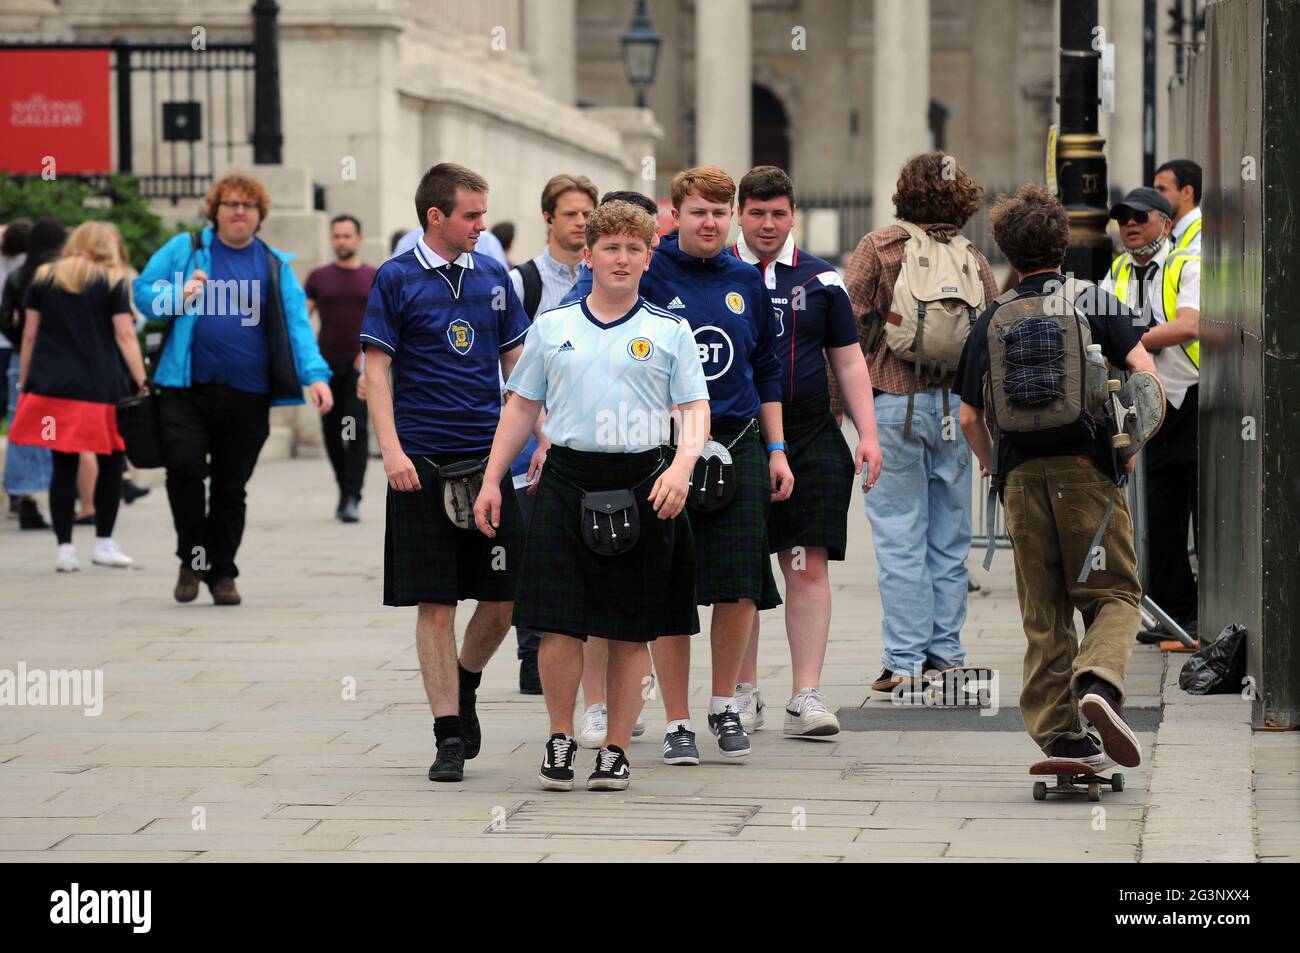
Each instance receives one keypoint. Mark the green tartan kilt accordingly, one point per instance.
(817, 512)
(636, 596)
(732, 558)
(427, 559)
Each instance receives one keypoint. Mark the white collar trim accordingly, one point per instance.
(431, 259)
(785, 256)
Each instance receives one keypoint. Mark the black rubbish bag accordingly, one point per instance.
(1218, 668)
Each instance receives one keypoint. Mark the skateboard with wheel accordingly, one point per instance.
(1073, 779)
(1136, 410)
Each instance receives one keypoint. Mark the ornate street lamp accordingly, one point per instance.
(640, 52)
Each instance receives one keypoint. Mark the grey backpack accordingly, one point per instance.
(1037, 380)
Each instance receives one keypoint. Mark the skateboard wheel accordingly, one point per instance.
(1040, 790)
(1112, 385)
(1094, 791)
(1120, 441)
(1117, 782)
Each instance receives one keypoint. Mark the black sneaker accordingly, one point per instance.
(1085, 750)
(470, 730)
(732, 740)
(613, 773)
(347, 511)
(449, 765)
(29, 515)
(888, 680)
(1099, 702)
(557, 763)
(679, 747)
(530, 679)
(132, 491)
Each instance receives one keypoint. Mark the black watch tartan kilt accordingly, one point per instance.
(565, 588)
(732, 558)
(427, 559)
(817, 512)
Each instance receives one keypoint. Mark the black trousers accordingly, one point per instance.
(63, 493)
(1172, 480)
(215, 431)
(346, 432)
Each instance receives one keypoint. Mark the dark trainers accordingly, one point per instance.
(449, 765)
(530, 679)
(224, 592)
(187, 585)
(888, 680)
(679, 747)
(612, 773)
(470, 730)
(732, 740)
(557, 764)
(1085, 750)
(347, 511)
(29, 515)
(1100, 704)
(131, 491)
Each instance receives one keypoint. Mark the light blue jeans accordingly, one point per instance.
(920, 525)
(27, 469)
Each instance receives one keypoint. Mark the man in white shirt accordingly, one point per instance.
(1179, 181)
(1164, 284)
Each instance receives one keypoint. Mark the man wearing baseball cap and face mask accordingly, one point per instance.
(1164, 285)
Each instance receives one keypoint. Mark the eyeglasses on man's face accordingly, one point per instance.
(1125, 215)
(239, 206)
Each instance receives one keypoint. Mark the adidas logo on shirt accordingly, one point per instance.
(675, 305)
(566, 346)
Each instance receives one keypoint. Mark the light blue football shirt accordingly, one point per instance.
(609, 387)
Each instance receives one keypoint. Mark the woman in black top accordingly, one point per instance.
(79, 332)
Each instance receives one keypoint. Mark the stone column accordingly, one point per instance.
(641, 135)
(550, 36)
(900, 96)
(723, 71)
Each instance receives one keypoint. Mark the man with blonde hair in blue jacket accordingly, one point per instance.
(238, 342)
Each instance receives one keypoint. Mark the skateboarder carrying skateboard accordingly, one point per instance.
(1024, 375)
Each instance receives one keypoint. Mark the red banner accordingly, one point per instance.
(54, 112)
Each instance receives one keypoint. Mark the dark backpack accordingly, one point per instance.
(532, 279)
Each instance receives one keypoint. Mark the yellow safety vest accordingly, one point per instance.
(1189, 236)
(1121, 272)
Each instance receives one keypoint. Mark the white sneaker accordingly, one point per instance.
(67, 561)
(639, 728)
(806, 715)
(749, 702)
(594, 727)
(107, 553)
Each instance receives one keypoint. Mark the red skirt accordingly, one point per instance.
(69, 426)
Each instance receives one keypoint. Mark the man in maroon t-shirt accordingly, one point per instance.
(338, 292)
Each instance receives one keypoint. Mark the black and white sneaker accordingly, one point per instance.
(732, 740)
(679, 747)
(613, 773)
(557, 764)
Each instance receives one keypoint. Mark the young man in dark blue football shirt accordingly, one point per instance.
(730, 313)
(815, 327)
(445, 322)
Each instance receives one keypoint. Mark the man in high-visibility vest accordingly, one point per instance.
(1163, 283)
(1179, 181)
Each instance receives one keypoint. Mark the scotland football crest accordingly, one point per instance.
(460, 334)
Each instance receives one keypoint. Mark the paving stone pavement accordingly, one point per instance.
(295, 727)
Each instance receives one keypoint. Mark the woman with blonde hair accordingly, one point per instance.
(79, 333)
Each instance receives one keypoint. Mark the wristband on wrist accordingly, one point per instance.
(778, 445)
